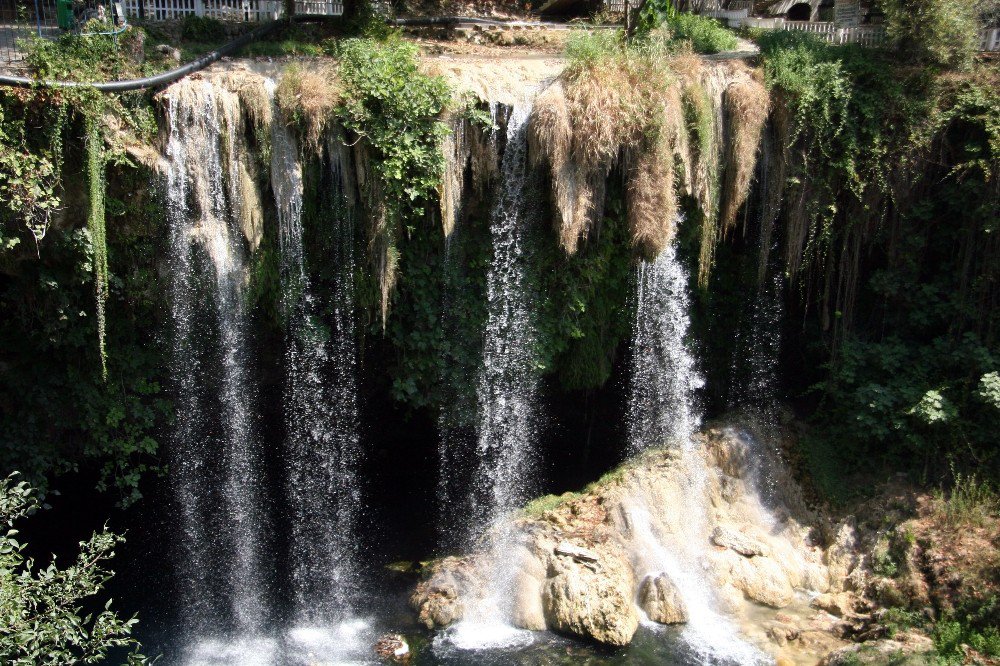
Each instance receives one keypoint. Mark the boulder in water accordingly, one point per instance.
(591, 599)
(438, 598)
(660, 599)
(393, 648)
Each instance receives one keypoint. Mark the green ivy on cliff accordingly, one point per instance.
(393, 108)
(889, 220)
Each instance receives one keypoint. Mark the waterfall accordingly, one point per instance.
(753, 376)
(664, 378)
(507, 385)
(663, 412)
(215, 434)
(506, 396)
(753, 380)
(474, 148)
(321, 411)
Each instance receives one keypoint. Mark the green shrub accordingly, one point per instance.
(586, 48)
(204, 29)
(394, 109)
(950, 637)
(705, 34)
(41, 615)
(936, 32)
(970, 502)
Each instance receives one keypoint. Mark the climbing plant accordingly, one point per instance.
(98, 233)
(392, 108)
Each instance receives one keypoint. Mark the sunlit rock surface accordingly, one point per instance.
(586, 562)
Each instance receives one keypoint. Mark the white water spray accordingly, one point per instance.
(321, 412)
(507, 393)
(663, 412)
(223, 549)
(662, 408)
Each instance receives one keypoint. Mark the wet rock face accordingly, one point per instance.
(438, 598)
(591, 596)
(726, 536)
(588, 566)
(660, 599)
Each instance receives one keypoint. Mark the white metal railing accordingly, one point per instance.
(865, 35)
(824, 29)
(228, 10)
(729, 15)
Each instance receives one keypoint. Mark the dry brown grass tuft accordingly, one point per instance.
(613, 102)
(688, 65)
(308, 98)
(651, 201)
(581, 125)
(651, 195)
(550, 140)
(746, 104)
(254, 97)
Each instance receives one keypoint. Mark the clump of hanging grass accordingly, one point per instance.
(608, 102)
(255, 100)
(550, 139)
(308, 98)
(651, 195)
(746, 104)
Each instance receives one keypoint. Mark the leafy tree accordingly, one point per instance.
(42, 620)
(937, 32)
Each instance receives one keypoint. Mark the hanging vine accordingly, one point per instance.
(98, 235)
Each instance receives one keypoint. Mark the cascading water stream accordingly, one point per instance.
(663, 412)
(215, 431)
(753, 381)
(506, 393)
(457, 435)
(662, 406)
(507, 386)
(321, 411)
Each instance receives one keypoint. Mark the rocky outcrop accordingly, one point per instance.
(590, 594)
(587, 566)
(725, 536)
(439, 597)
(660, 599)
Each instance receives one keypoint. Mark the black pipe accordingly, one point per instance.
(150, 81)
(241, 41)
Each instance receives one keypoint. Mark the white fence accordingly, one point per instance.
(228, 10)
(733, 17)
(866, 35)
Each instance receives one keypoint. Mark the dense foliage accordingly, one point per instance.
(393, 108)
(894, 251)
(42, 609)
(936, 32)
(706, 35)
(70, 311)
